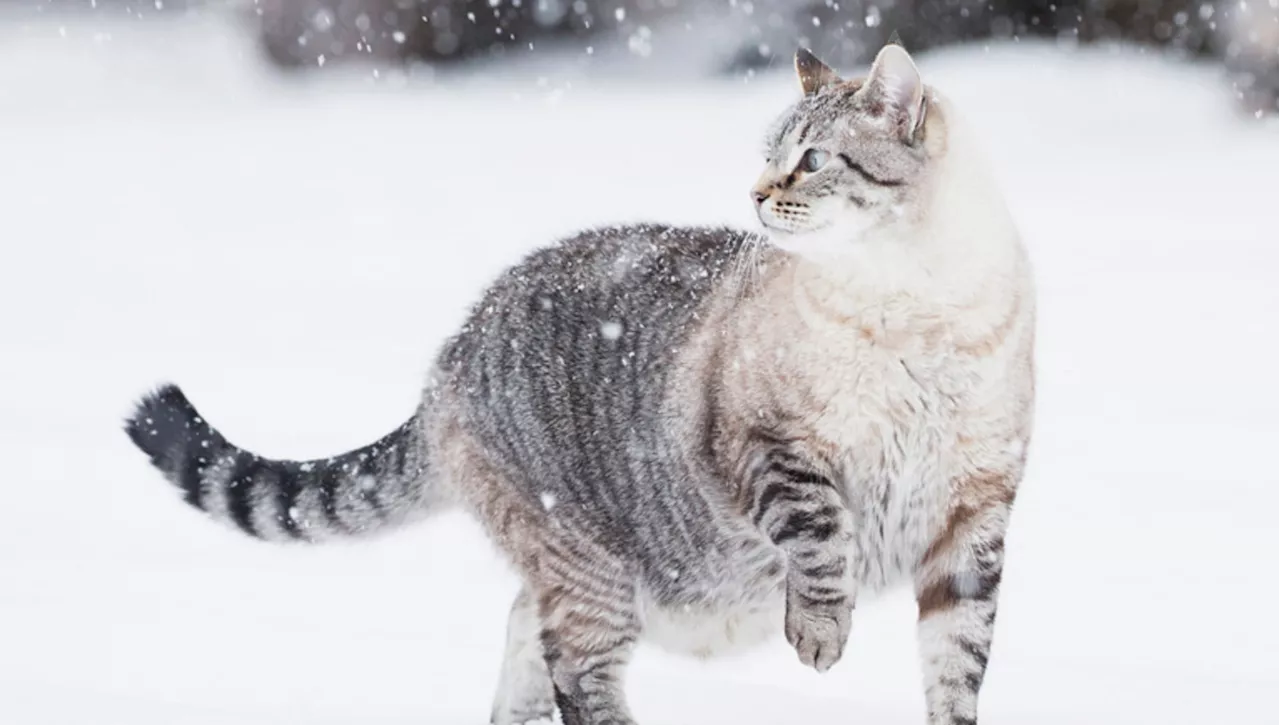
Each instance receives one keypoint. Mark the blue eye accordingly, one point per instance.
(813, 160)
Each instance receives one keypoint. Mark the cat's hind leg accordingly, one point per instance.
(587, 616)
(590, 624)
(525, 695)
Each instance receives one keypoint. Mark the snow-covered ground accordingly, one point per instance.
(293, 254)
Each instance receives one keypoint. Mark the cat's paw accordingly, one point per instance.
(523, 719)
(528, 714)
(819, 633)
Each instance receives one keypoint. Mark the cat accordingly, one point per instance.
(743, 36)
(702, 438)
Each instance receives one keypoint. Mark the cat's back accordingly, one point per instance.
(594, 294)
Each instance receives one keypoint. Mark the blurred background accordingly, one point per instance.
(710, 38)
(287, 206)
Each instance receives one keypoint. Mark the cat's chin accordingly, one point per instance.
(828, 244)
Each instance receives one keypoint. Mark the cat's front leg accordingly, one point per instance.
(801, 508)
(956, 588)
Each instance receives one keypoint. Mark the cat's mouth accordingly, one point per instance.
(790, 219)
(790, 229)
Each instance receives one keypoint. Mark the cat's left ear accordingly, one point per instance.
(896, 88)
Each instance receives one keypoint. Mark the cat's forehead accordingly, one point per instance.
(832, 112)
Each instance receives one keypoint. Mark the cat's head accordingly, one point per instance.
(851, 158)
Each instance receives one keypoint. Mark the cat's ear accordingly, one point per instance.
(895, 88)
(814, 74)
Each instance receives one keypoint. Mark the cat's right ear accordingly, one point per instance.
(814, 74)
(896, 90)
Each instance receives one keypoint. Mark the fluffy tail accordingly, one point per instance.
(370, 488)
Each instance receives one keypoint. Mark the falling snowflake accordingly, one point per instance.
(549, 13)
(640, 42)
(323, 20)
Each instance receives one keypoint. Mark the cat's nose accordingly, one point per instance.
(759, 196)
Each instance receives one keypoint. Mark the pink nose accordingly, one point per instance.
(758, 196)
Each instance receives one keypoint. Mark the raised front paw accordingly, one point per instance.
(818, 630)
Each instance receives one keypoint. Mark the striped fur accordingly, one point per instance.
(350, 494)
(691, 437)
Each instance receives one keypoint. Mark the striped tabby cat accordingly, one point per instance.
(694, 437)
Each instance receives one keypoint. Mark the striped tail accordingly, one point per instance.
(355, 493)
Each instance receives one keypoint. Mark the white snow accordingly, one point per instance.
(548, 500)
(292, 253)
(611, 330)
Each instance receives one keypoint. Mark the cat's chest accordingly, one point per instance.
(889, 406)
(891, 416)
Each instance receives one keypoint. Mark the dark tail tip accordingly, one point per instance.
(163, 426)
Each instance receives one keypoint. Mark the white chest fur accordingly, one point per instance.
(883, 386)
(891, 414)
